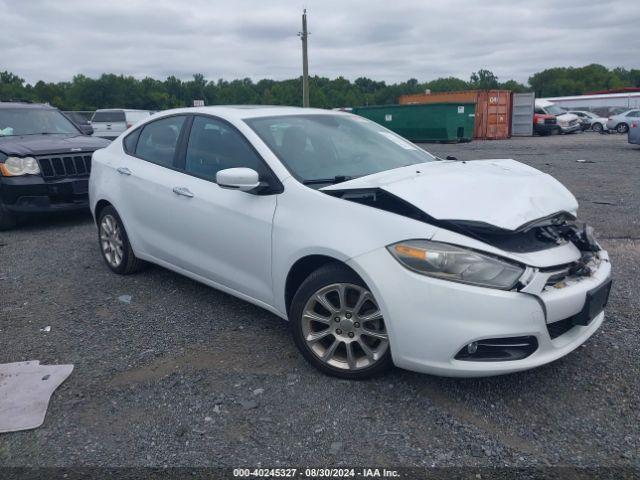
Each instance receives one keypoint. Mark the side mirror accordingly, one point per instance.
(86, 129)
(243, 179)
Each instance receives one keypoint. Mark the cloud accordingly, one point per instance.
(384, 40)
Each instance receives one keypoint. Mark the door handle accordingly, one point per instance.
(184, 191)
(123, 171)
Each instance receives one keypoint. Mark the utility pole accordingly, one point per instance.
(305, 61)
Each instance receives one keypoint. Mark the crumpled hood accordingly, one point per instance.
(501, 193)
(28, 145)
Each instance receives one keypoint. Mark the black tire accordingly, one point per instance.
(555, 131)
(597, 127)
(322, 277)
(622, 128)
(129, 262)
(7, 219)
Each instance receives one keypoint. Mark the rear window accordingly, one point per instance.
(107, 117)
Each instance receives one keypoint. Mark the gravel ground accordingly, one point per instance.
(184, 375)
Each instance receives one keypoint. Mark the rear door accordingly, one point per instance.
(146, 179)
(108, 123)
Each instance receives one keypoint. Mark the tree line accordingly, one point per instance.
(111, 90)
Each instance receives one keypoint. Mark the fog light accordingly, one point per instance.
(498, 349)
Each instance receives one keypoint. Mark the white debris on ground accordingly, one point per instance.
(25, 391)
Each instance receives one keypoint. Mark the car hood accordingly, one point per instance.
(501, 193)
(27, 145)
(567, 117)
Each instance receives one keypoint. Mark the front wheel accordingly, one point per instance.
(114, 243)
(622, 128)
(597, 127)
(337, 325)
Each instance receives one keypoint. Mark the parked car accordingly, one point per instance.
(620, 122)
(375, 250)
(544, 124)
(45, 161)
(109, 123)
(80, 121)
(567, 122)
(590, 120)
(634, 132)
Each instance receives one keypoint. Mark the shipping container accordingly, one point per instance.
(436, 122)
(492, 107)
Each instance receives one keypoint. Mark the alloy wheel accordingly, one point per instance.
(343, 326)
(111, 240)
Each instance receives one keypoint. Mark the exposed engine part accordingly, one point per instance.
(534, 236)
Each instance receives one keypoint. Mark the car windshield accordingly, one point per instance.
(325, 148)
(555, 110)
(33, 121)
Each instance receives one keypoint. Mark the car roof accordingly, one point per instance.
(120, 110)
(241, 112)
(27, 105)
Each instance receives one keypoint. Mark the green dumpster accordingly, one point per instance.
(433, 122)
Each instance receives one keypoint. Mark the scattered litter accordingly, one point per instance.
(46, 329)
(248, 404)
(258, 391)
(125, 298)
(581, 160)
(208, 419)
(216, 409)
(25, 391)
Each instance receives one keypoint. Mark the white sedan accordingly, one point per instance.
(377, 252)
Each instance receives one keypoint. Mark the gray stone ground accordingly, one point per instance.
(184, 375)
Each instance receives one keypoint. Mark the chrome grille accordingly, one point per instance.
(58, 166)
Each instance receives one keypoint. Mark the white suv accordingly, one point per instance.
(109, 123)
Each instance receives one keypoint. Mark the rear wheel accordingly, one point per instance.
(114, 243)
(7, 219)
(337, 324)
(556, 131)
(622, 128)
(597, 127)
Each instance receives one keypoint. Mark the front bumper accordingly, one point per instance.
(32, 194)
(544, 128)
(430, 320)
(570, 128)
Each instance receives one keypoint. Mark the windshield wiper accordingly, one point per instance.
(332, 181)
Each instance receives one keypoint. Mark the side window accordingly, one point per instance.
(131, 140)
(539, 111)
(635, 113)
(214, 146)
(158, 140)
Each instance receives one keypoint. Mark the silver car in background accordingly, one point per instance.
(111, 122)
(590, 120)
(620, 122)
(634, 132)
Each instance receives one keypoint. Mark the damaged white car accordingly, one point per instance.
(377, 252)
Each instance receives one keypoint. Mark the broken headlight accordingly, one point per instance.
(449, 262)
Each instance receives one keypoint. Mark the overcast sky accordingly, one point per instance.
(387, 40)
